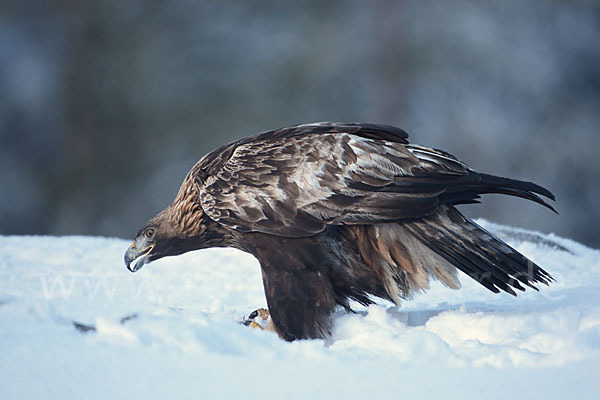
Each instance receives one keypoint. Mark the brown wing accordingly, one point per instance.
(294, 182)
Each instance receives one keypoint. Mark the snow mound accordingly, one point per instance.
(75, 323)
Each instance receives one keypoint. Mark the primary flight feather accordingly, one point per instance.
(338, 212)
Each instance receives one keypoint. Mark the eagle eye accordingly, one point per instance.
(149, 233)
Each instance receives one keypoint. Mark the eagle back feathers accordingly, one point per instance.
(293, 182)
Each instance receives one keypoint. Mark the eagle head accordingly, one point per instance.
(181, 227)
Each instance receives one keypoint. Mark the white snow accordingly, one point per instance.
(171, 330)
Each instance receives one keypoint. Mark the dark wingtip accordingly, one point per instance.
(534, 187)
(545, 192)
(514, 187)
(546, 204)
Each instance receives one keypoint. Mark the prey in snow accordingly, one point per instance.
(336, 213)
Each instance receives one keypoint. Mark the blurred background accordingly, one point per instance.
(105, 105)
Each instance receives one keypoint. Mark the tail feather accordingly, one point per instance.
(478, 253)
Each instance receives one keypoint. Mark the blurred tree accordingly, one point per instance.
(106, 105)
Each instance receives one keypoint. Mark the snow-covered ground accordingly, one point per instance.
(74, 323)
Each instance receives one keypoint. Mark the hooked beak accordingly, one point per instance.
(133, 253)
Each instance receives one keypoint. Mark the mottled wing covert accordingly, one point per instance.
(294, 184)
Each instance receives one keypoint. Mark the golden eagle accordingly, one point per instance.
(338, 212)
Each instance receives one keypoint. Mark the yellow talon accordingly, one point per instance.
(255, 325)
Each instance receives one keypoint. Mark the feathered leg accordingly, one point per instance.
(300, 302)
(297, 285)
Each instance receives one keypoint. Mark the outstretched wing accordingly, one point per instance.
(294, 182)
